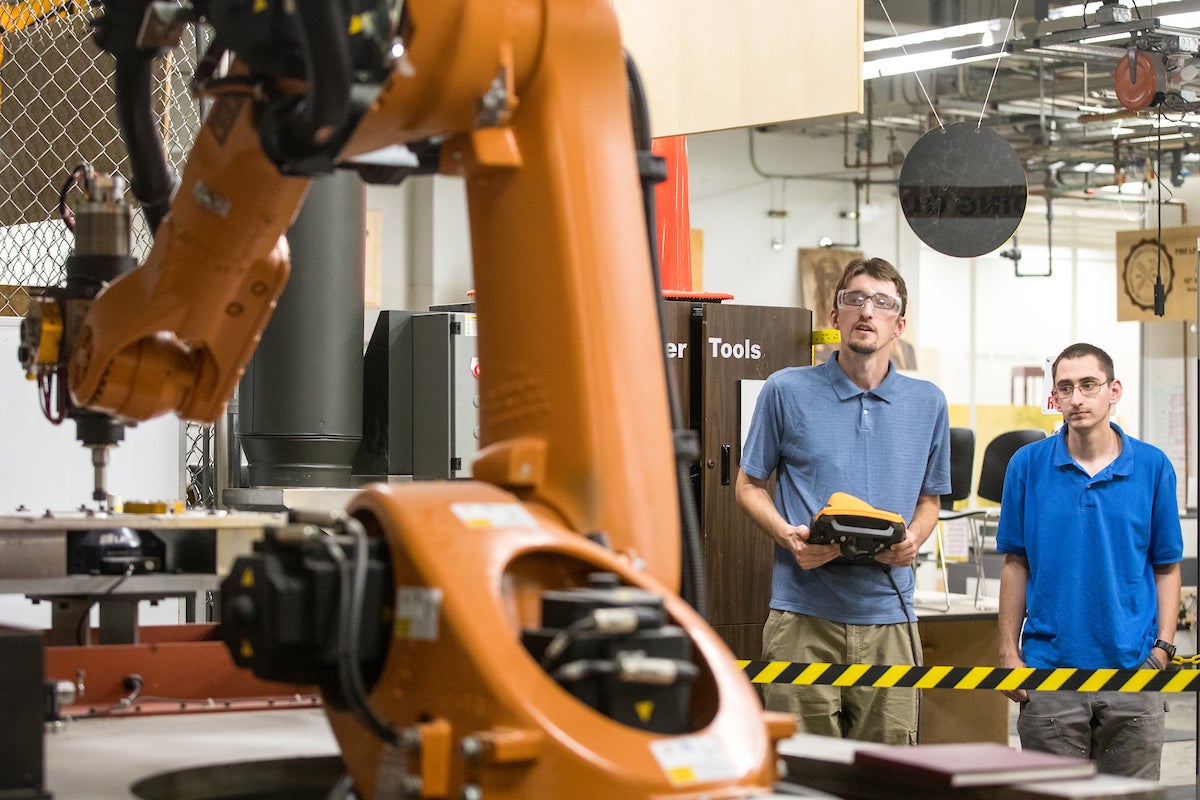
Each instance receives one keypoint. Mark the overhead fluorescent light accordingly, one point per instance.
(934, 49)
(1180, 14)
(983, 28)
(1154, 137)
(917, 62)
(1190, 20)
(1103, 37)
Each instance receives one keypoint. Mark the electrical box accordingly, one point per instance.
(420, 397)
(22, 712)
(386, 448)
(445, 395)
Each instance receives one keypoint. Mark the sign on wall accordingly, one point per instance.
(1142, 257)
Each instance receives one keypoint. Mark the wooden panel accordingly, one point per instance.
(754, 341)
(734, 343)
(710, 65)
(958, 715)
(373, 260)
(744, 640)
(677, 316)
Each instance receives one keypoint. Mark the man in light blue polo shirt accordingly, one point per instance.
(850, 425)
(1089, 525)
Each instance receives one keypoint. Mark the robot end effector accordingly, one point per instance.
(50, 328)
(55, 340)
(138, 353)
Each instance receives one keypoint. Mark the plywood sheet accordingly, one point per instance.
(710, 65)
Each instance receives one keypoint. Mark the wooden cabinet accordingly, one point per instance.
(962, 637)
(719, 353)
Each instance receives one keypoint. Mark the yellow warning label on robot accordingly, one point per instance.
(693, 759)
(681, 775)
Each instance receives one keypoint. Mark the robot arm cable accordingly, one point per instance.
(117, 32)
(687, 449)
(296, 132)
(81, 174)
(604, 621)
(352, 580)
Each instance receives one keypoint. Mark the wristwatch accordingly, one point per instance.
(1166, 647)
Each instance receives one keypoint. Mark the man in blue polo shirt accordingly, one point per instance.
(1089, 525)
(850, 425)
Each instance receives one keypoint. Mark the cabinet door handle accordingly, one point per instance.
(725, 452)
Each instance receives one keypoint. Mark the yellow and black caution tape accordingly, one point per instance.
(995, 678)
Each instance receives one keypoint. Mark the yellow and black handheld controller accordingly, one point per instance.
(861, 529)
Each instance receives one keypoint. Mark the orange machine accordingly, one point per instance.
(465, 687)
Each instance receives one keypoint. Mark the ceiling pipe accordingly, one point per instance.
(1086, 196)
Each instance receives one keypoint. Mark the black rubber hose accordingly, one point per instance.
(352, 579)
(304, 128)
(692, 582)
(151, 181)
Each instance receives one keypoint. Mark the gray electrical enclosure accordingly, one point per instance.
(445, 395)
(420, 397)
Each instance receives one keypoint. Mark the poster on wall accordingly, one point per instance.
(820, 270)
(1141, 258)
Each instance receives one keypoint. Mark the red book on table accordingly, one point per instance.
(971, 764)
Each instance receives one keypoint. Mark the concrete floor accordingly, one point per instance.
(100, 758)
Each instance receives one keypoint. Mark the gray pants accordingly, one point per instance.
(1121, 731)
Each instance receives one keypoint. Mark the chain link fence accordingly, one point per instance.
(57, 111)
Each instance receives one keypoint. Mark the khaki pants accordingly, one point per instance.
(853, 712)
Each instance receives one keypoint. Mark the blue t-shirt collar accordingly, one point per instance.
(1122, 465)
(846, 388)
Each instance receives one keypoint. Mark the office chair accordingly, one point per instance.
(996, 457)
(991, 487)
(962, 462)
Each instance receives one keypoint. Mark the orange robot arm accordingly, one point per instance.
(573, 406)
(574, 412)
(527, 99)
(175, 334)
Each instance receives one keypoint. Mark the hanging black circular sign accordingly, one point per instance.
(963, 190)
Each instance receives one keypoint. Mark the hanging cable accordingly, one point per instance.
(917, 75)
(996, 69)
(86, 617)
(1160, 295)
(687, 443)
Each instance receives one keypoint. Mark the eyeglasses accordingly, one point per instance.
(1086, 387)
(887, 303)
